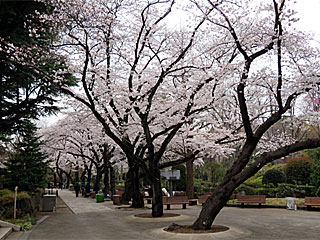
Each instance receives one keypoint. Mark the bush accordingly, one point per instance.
(215, 172)
(246, 189)
(314, 154)
(298, 171)
(24, 223)
(273, 176)
(254, 182)
(24, 205)
(291, 190)
(180, 185)
(269, 192)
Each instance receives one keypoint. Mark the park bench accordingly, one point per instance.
(202, 199)
(251, 199)
(311, 201)
(175, 200)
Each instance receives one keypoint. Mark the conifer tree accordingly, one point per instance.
(27, 165)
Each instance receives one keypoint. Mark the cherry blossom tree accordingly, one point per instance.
(141, 80)
(221, 82)
(278, 67)
(77, 139)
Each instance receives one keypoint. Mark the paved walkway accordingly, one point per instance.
(93, 220)
(82, 205)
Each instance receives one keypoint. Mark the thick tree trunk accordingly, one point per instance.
(190, 183)
(157, 206)
(222, 193)
(132, 189)
(213, 206)
(96, 186)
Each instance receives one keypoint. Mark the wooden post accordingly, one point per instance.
(15, 202)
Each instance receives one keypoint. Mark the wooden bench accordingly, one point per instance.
(175, 200)
(202, 199)
(251, 199)
(311, 201)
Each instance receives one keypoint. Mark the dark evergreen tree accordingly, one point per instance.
(31, 73)
(27, 165)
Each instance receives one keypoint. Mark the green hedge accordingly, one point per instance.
(291, 190)
(283, 190)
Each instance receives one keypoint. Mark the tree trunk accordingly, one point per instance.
(69, 178)
(77, 174)
(157, 206)
(190, 183)
(106, 180)
(96, 186)
(82, 177)
(112, 181)
(221, 195)
(68, 181)
(90, 173)
(213, 205)
(132, 189)
(60, 174)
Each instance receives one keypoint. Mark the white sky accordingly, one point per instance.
(309, 14)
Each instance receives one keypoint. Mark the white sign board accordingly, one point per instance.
(171, 174)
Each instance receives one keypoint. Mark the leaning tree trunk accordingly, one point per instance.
(157, 206)
(213, 205)
(221, 195)
(132, 188)
(190, 183)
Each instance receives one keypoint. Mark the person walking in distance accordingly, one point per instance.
(77, 188)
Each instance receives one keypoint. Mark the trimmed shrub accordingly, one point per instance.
(274, 177)
(254, 182)
(298, 171)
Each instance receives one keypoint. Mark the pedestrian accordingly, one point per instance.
(77, 188)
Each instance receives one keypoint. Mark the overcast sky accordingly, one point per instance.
(309, 14)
